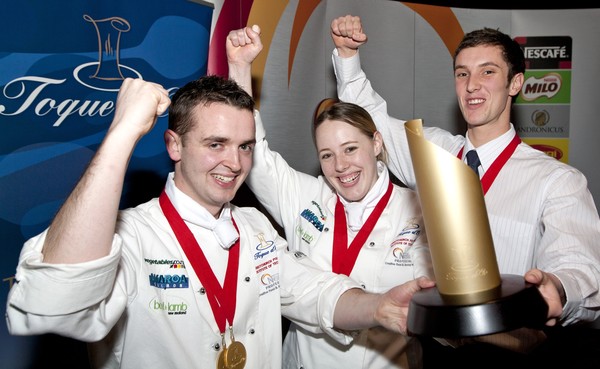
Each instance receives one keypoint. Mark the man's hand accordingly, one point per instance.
(84, 227)
(139, 103)
(552, 291)
(243, 46)
(347, 34)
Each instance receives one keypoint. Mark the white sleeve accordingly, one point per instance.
(310, 295)
(80, 301)
(278, 187)
(353, 86)
(569, 245)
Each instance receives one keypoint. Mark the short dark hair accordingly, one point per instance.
(204, 91)
(511, 50)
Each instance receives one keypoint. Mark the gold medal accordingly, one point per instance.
(235, 356)
(221, 360)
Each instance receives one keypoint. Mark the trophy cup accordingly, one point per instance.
(471, 297)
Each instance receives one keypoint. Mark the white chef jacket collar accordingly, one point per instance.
(356, 211)
(192, 212)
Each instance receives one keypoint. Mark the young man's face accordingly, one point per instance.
(348, 158)
(215, 157)
(482, 88)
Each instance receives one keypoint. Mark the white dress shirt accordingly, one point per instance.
(541, 213)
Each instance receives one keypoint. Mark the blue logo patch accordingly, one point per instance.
(169, 281)
(313, 219)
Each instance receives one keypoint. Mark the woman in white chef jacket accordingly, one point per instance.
(351, 219)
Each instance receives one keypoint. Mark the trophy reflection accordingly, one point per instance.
(471, 297)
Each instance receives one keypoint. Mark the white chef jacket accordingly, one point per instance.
(541, 213)
(143, 305)
(395, 252)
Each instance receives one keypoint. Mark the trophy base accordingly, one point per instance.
(516, 304)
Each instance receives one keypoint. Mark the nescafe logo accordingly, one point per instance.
(552, 151)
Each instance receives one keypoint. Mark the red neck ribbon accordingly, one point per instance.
(344, 257)
(222, 299)
(490, 175)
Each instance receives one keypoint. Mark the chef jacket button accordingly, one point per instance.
(251, 331)
(247, 279)
(202, 291)
(371, 244)
(216, 346)
(326, 229)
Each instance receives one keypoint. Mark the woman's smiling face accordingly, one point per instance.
(348, 158)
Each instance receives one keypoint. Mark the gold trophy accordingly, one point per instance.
(471, 298)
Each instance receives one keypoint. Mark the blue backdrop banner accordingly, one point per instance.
(61, 65)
